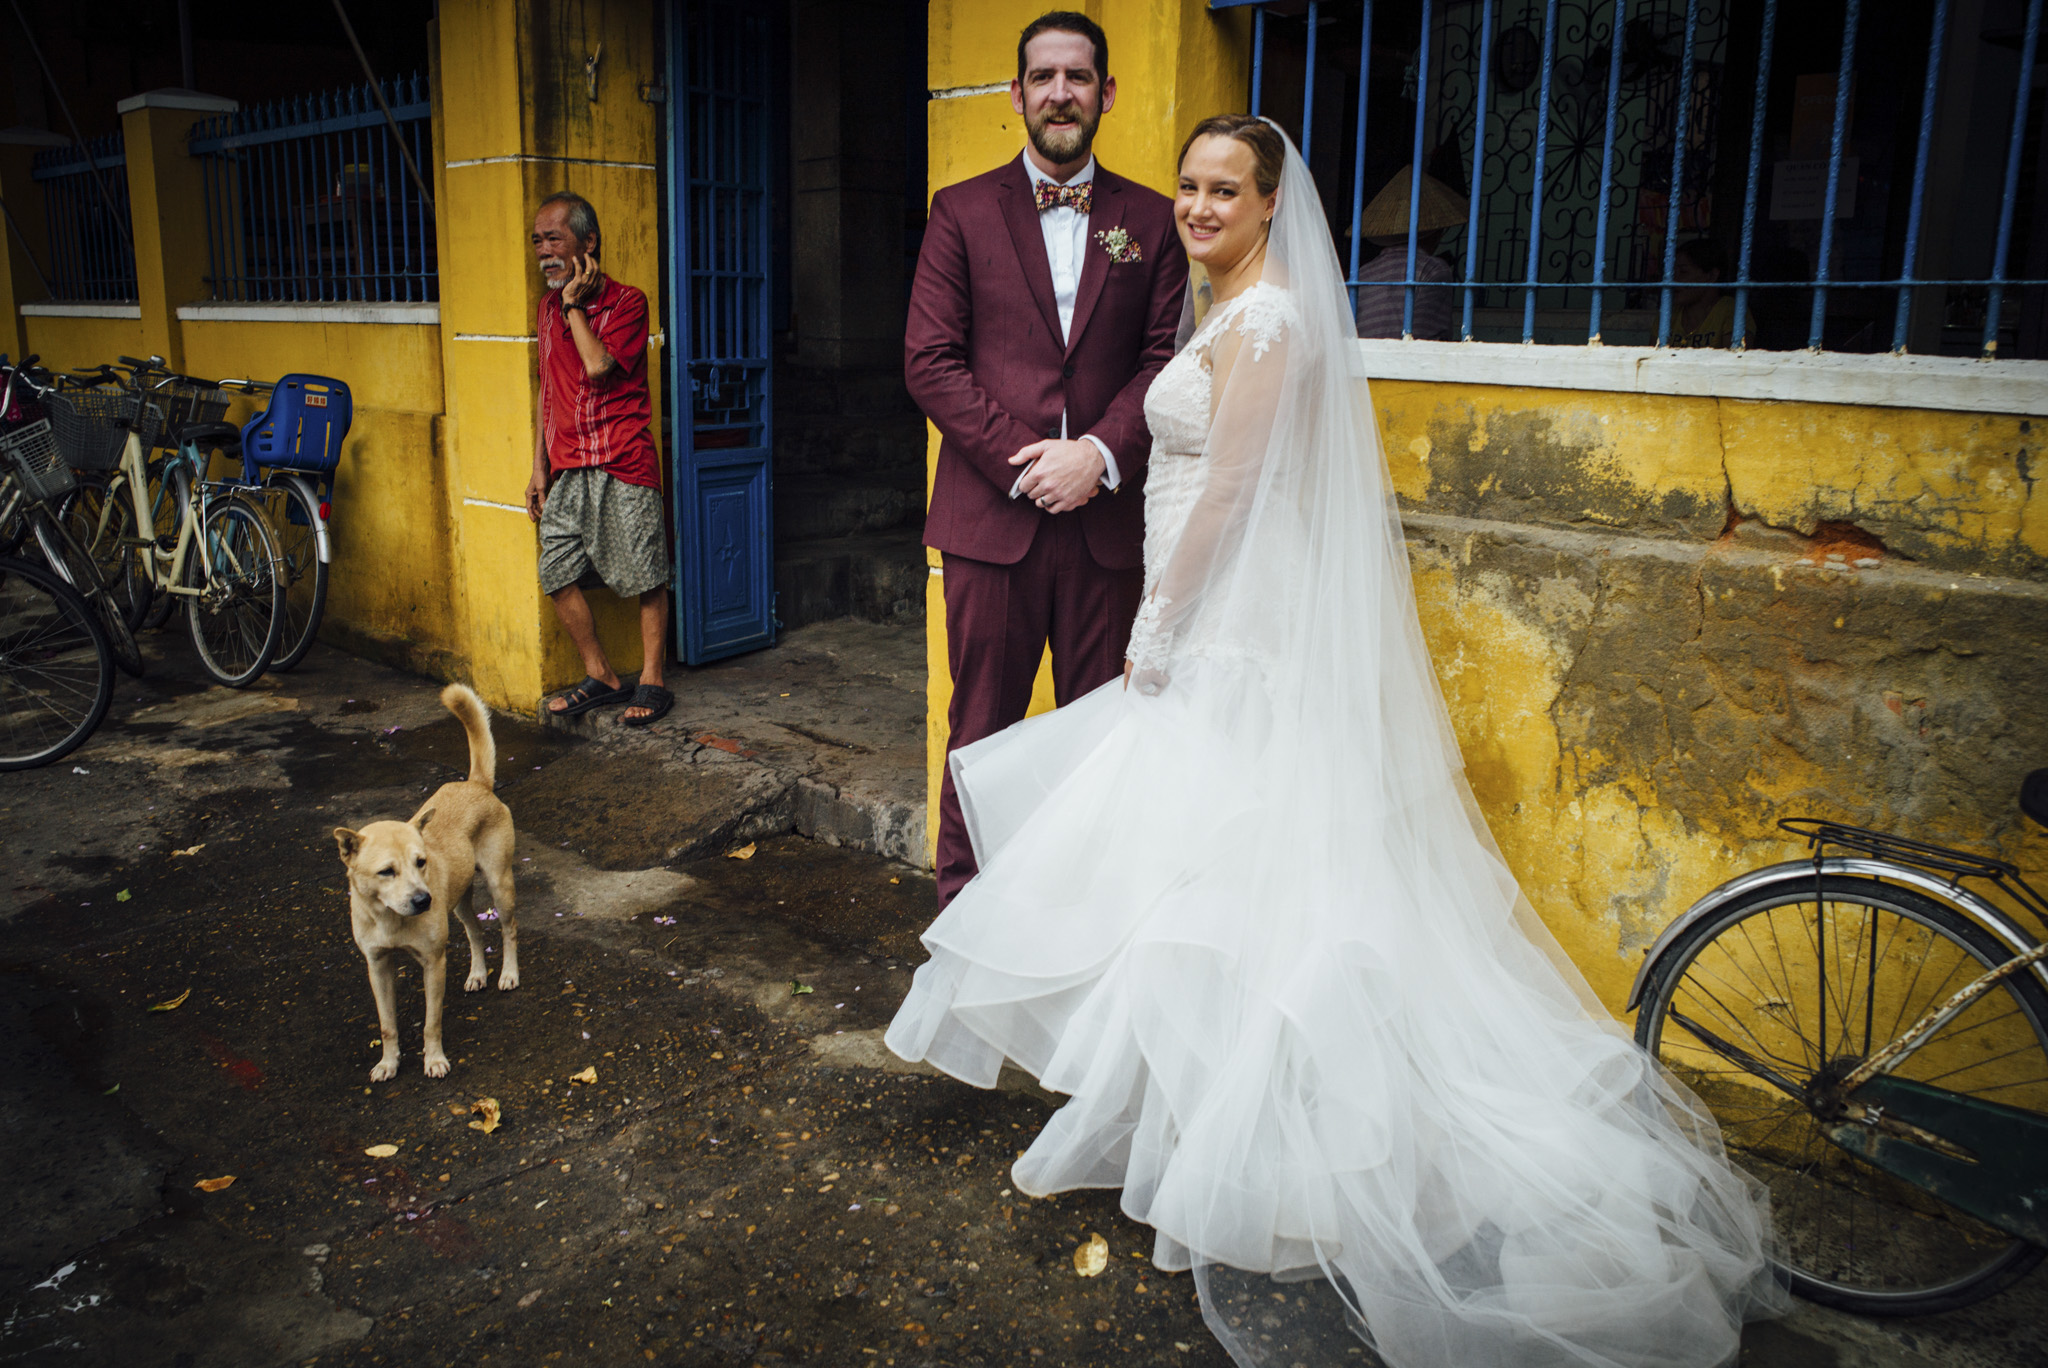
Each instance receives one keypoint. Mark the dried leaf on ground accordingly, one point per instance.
(215, 1184)
(799, 989)
(486, 1107)
(589, 1075)
(123, 896)
(188, 850)
(381, 1151)
(1092, 1257)
(173, 1005)
(745, 852)
(457, 1109)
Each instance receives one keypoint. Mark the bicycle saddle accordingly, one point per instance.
(225, 436)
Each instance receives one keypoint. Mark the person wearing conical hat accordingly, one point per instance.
(1381, 294)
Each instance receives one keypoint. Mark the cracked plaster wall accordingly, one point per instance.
(1662, 623)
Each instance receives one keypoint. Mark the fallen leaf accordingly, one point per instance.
(457, 1109)
(530, 1298)
(215, 1184)
(381, 1151)
(174, 1004)
(123, 896)
(1092, 1257)
(589, 1075)
(189, 850)
(745, 852)
(799, 989)
(486, 1107)
(111, 1091)
(896, 881)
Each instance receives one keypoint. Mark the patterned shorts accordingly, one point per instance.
(596, 525)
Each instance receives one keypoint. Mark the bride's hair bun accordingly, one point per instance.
(1269, 149)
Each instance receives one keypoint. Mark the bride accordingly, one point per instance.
(1240, 908)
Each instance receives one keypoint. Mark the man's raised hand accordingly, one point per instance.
(1066, 475)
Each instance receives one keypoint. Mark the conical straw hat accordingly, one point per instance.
(1387, 215)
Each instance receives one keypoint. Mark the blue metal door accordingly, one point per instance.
(720, 167)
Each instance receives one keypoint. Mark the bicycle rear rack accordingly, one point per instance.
(1954, 865)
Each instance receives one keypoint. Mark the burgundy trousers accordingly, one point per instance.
(999, 619)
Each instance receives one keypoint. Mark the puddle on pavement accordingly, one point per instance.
(840, 896)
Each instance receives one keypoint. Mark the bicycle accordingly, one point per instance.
(208, 543)
(74, 429)
(56, 671)
(283, 451)
(1872, 1037)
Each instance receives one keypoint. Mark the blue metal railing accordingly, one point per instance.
(92, 251)
(1525, 97)
(308, 199)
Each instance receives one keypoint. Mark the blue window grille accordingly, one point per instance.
(92, 248)
(308, 199)
(1874, 176)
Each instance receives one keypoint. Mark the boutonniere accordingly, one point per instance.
(1119, 245)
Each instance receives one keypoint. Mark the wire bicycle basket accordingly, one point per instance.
(92, 426)
(31, 452)
(185, 403)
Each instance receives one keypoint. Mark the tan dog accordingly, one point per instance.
(404, 877)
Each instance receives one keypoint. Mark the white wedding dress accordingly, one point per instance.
(1249, 924)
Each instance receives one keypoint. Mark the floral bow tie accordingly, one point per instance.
(1079, 198)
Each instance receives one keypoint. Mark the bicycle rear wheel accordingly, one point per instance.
(1775, 982)
(294, 517)
(56, 674)
(82, 573)
(238, 615)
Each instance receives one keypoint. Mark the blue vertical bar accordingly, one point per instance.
(1755, 177)
(1674, 200)
(1415, 177)
(1478, 161)
(2029, 46)
(1358, 147)
(1616, 28)
(1536, 181)
(1258, 59)
(1308, 81)
(1844, 77)
(1910, 260)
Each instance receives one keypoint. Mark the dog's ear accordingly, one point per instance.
(419, 823)
(349, 841)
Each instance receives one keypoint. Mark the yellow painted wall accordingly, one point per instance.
(1174, 62)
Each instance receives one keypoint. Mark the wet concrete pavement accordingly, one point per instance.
(751, 1178)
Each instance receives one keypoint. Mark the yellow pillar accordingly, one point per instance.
(167, 209)
(517, 119)
(1175, 62)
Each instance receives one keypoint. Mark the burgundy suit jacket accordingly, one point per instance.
(983, 358)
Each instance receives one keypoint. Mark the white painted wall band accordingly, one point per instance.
(551, 161)
(962, 92)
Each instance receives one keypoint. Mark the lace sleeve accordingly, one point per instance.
(1249, 360)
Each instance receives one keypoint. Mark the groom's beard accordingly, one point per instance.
(1060, 146)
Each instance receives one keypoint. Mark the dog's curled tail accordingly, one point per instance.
(469, 710)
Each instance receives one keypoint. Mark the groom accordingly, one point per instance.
(1047, 297)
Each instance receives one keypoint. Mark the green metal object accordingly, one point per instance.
(1984, 1159)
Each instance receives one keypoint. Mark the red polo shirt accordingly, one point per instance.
(604, 423)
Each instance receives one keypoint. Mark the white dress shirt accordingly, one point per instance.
(1066, 239)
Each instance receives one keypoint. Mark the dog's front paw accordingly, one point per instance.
(437, 1066)
(478, 977)
(387, 1068)
(507, 978)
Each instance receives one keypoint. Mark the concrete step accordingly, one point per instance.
(876, 576)
(822, 735)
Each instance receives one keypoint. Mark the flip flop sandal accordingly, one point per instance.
(591, 693)
(649, 696)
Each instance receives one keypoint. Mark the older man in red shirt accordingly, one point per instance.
(596, 487)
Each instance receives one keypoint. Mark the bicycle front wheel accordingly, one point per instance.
(295, 521)
(56, 674)
(1770, 998)
(238, 614)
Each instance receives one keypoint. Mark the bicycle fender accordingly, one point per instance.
(1993, 918)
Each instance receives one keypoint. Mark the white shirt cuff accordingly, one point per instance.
(1111, 476)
